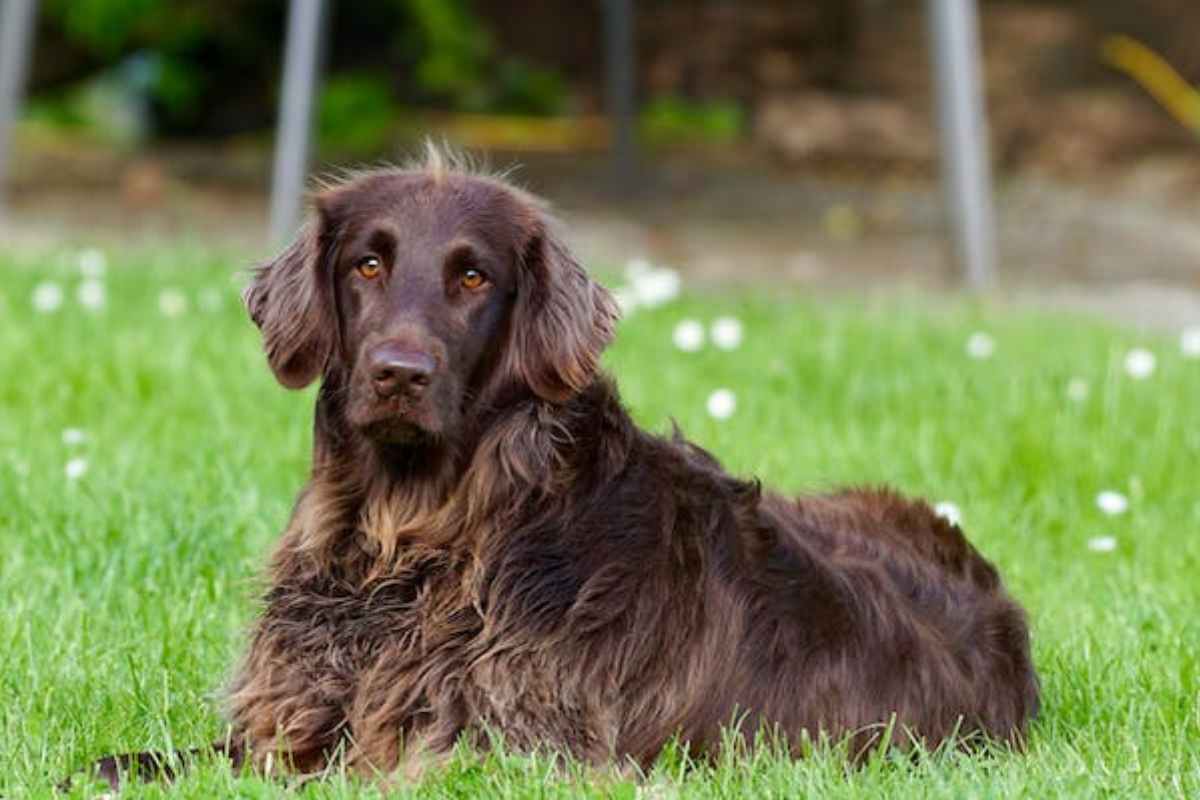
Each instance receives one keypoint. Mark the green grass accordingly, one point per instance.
(125, 593)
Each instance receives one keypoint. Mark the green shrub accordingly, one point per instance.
(355, 115)
(674, 120)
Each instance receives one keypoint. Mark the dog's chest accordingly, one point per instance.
(427, 652)
(400, 618)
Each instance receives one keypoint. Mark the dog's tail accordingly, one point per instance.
(149, 766)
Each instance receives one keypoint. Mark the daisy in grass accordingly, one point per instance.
(92, 263)
(1140, 364)
(76, 468)
(172, 302)
(652, 286)
(949, 512)
(727, 332)
(980, 346)
(73, 436)
(91, 294)
(626, 300)
(47, 297)
(1112, 503)
(1189, 342)
(721, 404)
(636, 268)
(688, 335)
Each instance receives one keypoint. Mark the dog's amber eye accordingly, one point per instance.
(369, 267)
(472, 279)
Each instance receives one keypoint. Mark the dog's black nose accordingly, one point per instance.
(394, 370)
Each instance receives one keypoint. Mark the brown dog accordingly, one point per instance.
(488, 542)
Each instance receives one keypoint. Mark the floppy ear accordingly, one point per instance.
(562, 320)
(288, 303)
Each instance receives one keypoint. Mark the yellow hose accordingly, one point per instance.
(1156, 76)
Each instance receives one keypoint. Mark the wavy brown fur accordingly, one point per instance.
(555, 574)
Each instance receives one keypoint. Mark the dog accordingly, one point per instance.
(488, 544)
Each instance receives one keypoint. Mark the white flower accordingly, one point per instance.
(76, 468)
(47, 297)
(1102, 544)
(1139, 364)
(1078, 389)
(172, 302)
(1189, 342)
(688, 335)
(626, 300)
(72, 436)
(1112, 503)
(91, 294)
(209, 300)
(727, 332)
(656, 286)
(636, 268)
(949, 512)
(980, 345)
(721, 404)
(656, 791)
(92, 263)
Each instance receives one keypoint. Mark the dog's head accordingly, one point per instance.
(429, 293)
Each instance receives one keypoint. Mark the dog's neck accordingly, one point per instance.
(392, 495)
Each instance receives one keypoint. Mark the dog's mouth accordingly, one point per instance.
(399, 420)
(397, 430)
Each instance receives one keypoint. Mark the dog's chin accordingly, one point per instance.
(397, 421)
(399, 431)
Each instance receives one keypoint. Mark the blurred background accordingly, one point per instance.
(766, 139)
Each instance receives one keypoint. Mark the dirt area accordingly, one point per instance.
(1127, 245)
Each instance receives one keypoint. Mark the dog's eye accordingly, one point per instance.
(369, 267)
(472, 279)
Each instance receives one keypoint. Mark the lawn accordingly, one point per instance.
(148, 461)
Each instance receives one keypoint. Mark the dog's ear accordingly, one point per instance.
(562, 320)
(287, 301)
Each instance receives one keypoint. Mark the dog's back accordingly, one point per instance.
(928, 632)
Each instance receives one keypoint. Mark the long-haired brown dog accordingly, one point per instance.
(488, 543)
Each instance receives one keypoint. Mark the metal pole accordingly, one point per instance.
(966, 170)
(16, 36)
(294, 129)
(620, 88)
